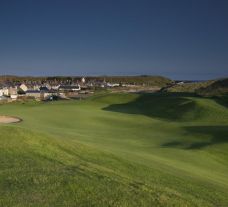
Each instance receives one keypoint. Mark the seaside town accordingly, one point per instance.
(58, 89)
(65, 88)
(44, 90)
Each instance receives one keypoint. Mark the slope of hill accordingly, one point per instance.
(116, 150)
(189, 87)
(206, 88)
(217, 88)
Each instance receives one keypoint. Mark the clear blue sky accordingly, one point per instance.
(181, 39)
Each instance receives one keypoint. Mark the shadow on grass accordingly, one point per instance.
(223, 100)
(169, 106)
(203, 136)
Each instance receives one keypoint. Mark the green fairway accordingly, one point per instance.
(116, 150)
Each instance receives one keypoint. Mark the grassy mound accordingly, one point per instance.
(206, 88)
(171, 107)
(190, 87)
(218, 88)
(116, 150)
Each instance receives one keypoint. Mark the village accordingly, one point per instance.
(65, 88)
(49, 90)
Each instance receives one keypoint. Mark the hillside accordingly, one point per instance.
(217, 88)
(116, 150)
(206, 88)
(189, 87)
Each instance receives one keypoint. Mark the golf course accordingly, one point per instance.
(116, 149)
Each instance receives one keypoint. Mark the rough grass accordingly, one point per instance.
(211, 88)
(190, 87)
(218, 88)
(116, 150)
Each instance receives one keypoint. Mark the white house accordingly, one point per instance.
(23, 87)
(13, 96)
(69, 88)
(5, 91)
(1, 92)
(113, 84)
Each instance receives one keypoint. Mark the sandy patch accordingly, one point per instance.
(9, 119)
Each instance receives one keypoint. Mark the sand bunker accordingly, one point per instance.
(9, 119)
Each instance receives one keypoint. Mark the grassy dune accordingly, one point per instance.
(218, 88)
(211, 88)
(190, 87)
(116, 150)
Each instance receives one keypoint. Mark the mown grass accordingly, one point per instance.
(116, 150)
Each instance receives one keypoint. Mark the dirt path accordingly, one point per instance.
(9, 119)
